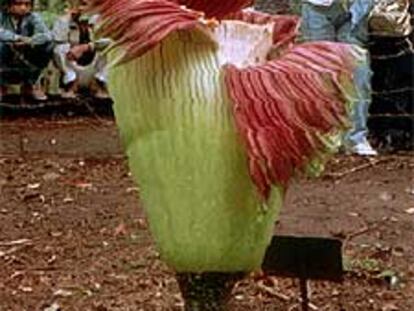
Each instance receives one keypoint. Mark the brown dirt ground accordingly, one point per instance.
(72, 233)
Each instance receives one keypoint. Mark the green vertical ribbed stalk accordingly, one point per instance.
(174, 115)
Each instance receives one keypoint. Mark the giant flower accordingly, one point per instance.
(218, 108)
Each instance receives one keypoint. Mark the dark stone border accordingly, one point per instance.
(14, 106)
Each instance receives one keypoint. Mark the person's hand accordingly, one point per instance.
(77, 51)
(22, 41)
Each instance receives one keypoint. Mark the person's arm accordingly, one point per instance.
(100, 44)
(60, 30)
(41, 33)
(77, 51)
(97, 44)
(7, 35)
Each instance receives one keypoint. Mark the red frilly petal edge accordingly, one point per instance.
(210, 8)
(283, 108)
(139, 25)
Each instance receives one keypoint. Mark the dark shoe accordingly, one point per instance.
(102, 94)
(100, 91)
(69, 92)
(3, 92)
(34, 92)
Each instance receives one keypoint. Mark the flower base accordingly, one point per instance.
(208, 291)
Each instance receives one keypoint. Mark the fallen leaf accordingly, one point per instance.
(51, 259)
(386, 196)
(142, 223)
(26, 289)
(410, 211)
(120, 230)
(390, 307)
(88, 292)
(84, 186)
(30, 196)
(68, 200)
(132, 189)
(53, 307)
(62, 293)
(51, 176)
(16, 242)
(33, 186)
(410, 190)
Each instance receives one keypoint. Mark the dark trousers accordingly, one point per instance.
(23, 64)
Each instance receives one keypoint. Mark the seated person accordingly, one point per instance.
(77, 55)
(25, 48)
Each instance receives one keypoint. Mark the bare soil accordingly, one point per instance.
(73, 235)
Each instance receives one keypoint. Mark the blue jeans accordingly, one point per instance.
(24, 64)
(337, 23)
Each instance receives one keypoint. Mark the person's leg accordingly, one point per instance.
(65, 67)
(101, 76)
(354, 31)
(3, 80)
(38, 57)
(316, 24)
(3, 61)
(35, 61)
(356, 138)
(101, 70)
(360, 11)
(8, 68)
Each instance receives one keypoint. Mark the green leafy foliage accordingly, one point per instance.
(51, 6)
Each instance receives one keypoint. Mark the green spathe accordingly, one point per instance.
(175, 118)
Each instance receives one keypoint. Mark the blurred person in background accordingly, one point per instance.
(346, 21)
(25, 48)
(78, 55)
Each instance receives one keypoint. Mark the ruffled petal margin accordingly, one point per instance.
(138, 26)
(285, 109)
